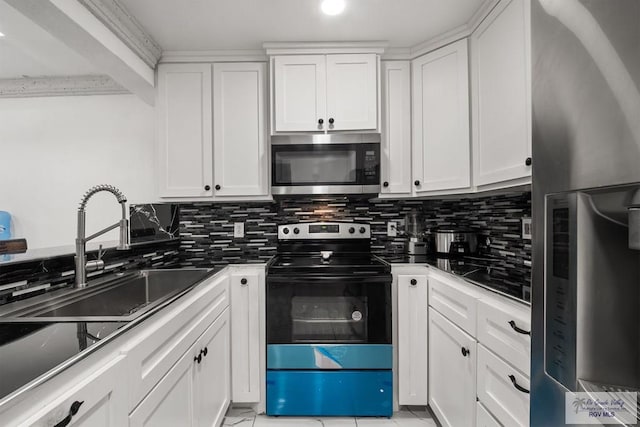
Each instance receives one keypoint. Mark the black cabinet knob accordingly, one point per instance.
(204, 351)
(198, 358)
(528, 161)
(385, 184)
(331, 120)
(352, 230)
(518, 386)
(362, 230)
(285, 230)
(465, 351)
(243, 281)
(320, 121)
(207, 187)
(75, 407)
(217, 187)
(414, 282)
(518, 330)
(296, 230)
(417, 182)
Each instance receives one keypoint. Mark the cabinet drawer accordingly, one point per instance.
(498, 391)
(152, 353)
(454, 302)
(505, 329)
(484, 418)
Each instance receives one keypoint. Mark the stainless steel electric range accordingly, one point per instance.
(329, 349)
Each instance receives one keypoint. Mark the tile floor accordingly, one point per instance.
(243, 417)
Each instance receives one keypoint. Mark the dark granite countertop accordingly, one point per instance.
(32, 352)
(486, 272)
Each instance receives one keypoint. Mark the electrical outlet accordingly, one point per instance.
(526, 228)
(392, 229)
(238, 229)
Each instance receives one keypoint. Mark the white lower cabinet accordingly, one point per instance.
(413, 341)
(247, 310)
(484, 418)
(195, 392)
(99, 397)
(452, 372)
(502, 389)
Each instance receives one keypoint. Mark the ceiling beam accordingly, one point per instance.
(77, 27)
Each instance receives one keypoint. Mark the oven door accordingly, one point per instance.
(325, 168)
(329, 310)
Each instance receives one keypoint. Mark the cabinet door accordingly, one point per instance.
(239, 130)
(212, 378)
(412, 340)
(352, 92)
(441, 148)
(171, 402)
(502, 94)
(396, 127)
(484, 418)
(103, 397)
(300, 93)
(184, 133)
(245, 336)
(452, 372)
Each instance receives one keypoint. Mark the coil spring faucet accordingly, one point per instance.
(82, 266)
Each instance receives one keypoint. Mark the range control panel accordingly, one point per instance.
(324, 230)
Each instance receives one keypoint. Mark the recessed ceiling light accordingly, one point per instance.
(1, 34)
(332, 7)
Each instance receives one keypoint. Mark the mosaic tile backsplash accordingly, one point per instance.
(206, 229)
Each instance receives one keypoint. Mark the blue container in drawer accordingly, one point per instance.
(5, 225)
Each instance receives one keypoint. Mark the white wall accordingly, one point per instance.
(53, 149)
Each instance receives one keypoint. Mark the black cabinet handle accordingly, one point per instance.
(218, 187)
(198, 358)
(207, 187)
(518, 330)
(465, 351)
(385, 184)
(331, 120)
(204, 351)
(517, 386)
(414, 282)
(75, 407)
(417, 182)
(528, 161)
(243, 281)
(320, 122)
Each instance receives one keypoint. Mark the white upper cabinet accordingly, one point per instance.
(184, 130)
(441, 159)
(501, 93)
(300, 92)
(240, 130)
(352, 96)
(396, 128)
(325, 92)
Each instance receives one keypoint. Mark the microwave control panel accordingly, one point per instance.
(371, 167)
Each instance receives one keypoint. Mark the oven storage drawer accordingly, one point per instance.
(330, 393)
(329, 356)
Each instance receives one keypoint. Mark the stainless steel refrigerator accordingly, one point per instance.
(586, 201)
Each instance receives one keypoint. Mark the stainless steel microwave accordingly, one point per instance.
(325, 164)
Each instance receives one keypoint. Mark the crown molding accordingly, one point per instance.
(220, 55)
(323, 48)
(29, 87)
(121, 23)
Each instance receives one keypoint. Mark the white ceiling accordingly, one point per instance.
(28, 50)
(246, 24)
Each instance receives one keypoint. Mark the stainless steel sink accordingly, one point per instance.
(121, 298)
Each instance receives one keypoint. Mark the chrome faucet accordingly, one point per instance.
(82, 266)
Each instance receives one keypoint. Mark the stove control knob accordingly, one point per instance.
(352, 230)
(296, 230)
(285, 230)
(362, 230)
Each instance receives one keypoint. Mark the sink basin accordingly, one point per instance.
(119, 299)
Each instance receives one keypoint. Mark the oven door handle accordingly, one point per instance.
(282, 279)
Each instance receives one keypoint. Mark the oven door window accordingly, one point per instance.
(315, 164)
(326, 310)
